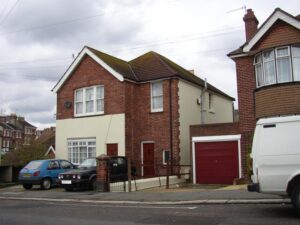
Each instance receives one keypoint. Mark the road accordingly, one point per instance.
(15, 212)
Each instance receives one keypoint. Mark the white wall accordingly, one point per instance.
(190, 114)
(106, 129)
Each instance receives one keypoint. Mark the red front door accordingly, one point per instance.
(148, 159)
(112, 149)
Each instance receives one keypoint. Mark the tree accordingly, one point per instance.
(24, 154)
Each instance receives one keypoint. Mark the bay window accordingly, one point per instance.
(278, 65)
(89, 101)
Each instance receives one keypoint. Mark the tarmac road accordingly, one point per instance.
(23, 212)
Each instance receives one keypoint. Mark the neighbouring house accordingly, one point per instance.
(16, 131)
(47, 138)
(140, 108)
(268, 75)
(268, 70)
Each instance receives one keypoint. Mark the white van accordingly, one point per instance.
(276, 157)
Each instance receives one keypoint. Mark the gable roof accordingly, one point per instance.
(6, 126)
(278, 14)
(99, 58)
(148, 67)
(28, 124)
(50, 149)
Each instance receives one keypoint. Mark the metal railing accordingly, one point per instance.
(138, 171)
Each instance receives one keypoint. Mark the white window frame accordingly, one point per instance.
(273, 61)
(164, 156)
(162, 95)
(6, 143)
(281, 57)
(262, 69)
(292, 61)
(95, 112)
(77, 160)
(6, 133)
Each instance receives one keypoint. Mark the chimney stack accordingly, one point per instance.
(251, 23)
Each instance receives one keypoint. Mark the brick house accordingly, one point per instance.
(16, 131)
(268, 83)
(141, 109)
(268, 70)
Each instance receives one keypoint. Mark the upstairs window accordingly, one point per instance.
(277, 65)
(6, 133)
(283, 62)
(157, 97)
(296, 62)
(89, 101)
(269, 67)
(258, 70)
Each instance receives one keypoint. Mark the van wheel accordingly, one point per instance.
(46, 184)
(93, 184)
(296, 198)
(27, 186)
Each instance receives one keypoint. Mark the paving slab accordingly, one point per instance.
(200, 194)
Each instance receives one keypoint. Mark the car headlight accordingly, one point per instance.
(79, 177)
(74, 176)
(59, 176)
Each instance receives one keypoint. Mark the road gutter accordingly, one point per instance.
(200, 202)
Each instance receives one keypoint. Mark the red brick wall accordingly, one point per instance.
(142, 125)
(214, 129)
(51, 155)
(89, 73)
(283, 99)
(246, 85)
(280, 34)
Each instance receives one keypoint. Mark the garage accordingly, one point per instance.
(216, 159)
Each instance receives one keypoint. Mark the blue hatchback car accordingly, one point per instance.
(43, 172)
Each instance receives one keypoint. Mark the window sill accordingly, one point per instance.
(157, 110)
(88, 114)
(211, 111)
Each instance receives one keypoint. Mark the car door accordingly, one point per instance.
(65, 166)
(53, 169)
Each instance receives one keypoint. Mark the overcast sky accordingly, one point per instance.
(39, 37)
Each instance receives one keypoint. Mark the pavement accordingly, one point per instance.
(187, 194)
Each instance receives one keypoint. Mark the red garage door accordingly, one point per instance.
(216, 162)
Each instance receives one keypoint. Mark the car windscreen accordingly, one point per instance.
(33, 165)
(88, 163)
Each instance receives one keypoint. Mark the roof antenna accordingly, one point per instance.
(233, 10)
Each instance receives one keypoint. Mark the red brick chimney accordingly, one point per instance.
(251, 23)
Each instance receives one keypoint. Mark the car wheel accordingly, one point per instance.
(93, 184)
(68, 189)
(27, 186)
(46, 184)
(296, 198)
